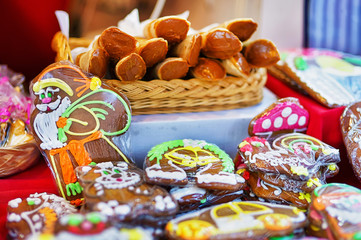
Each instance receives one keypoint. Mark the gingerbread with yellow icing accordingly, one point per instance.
(75, 121)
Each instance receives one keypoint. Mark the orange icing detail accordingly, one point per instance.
(84, 87)
(81, 156)
(325, 200)
(61, 123)
(77, 202)
(50, 219)
(276, 221)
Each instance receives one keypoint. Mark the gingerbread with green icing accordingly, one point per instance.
(75, 121)
(335, 211)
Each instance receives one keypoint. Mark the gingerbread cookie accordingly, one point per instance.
(325, 75)
(334, 212)
(350, 128)
(35, 214)
(95, 226)
(181, 162)
(118, 191)
(76, 120)
(286, 115)
(237, 220)
(296, 155)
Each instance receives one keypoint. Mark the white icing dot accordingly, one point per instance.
(292, 119)
(266, 124)
(286, 112)
(278, 122)
(302, 121)
(15, 202)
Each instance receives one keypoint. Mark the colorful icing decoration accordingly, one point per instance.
(335, 211)
(74, 120)
(285, 115)
(35, 214)
(237, 220)
(118, 191)
(179, 161)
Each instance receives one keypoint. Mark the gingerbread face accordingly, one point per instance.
(296, 155)
(286, 115)
(335, 207)
(118, 191)
(237, 220)
(36, 214)
(75, 119)
(181, 162)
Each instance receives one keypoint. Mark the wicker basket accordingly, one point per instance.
(178, 95)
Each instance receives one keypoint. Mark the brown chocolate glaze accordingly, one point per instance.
(152, 50)
(189, 49)
(171, 68)
(209, 69)
(94, 61)
(261, 53)
(243, 28)
(130, 68)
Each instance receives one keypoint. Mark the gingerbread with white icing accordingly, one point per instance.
(350, 122)
(118, 191)
(286, 115)
(237, 220)
(335, 211)
(75, 119)
(35, 214)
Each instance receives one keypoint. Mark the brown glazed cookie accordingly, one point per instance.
(35, 214)
(75, 119)
(271, 192)
(118, 191)
(187, 161)
(335, 211)
(286, 115)
(95, 226)
(237, 220)
(296, 155)
(351, 132)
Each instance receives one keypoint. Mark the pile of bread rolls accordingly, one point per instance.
(170, 51)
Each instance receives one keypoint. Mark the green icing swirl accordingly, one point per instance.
(157, 151)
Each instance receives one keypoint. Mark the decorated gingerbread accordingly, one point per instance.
(77, 120)
(35, 214)
(335, 212)
(119, 191)
(237, 220)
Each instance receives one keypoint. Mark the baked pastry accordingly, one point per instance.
(334, 212)
(237, 220)
(171, 68)
(118, 191)
(208, 69)
(94, 61)
(18, 149)
(172, 28)
(325, 75)
(261, 53)
(35, 214)
(130, 68)
(189, 49)
(237, 65)
(243, 28)
(350, 128)
(220, 43)
(152, 50)
(75, 118)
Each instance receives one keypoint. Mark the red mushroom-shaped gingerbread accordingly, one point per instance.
(286, 115)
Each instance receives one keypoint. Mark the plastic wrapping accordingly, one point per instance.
(35, 214)
(335, 211)
(119, 191)
(77, 120)
(286, 165)
(237, 220)
(351, 132)
(192, 168)
(18, 150)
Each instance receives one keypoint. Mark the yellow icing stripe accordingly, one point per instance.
(55, 82)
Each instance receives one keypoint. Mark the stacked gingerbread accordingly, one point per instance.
(281, 163)
(170, 49)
